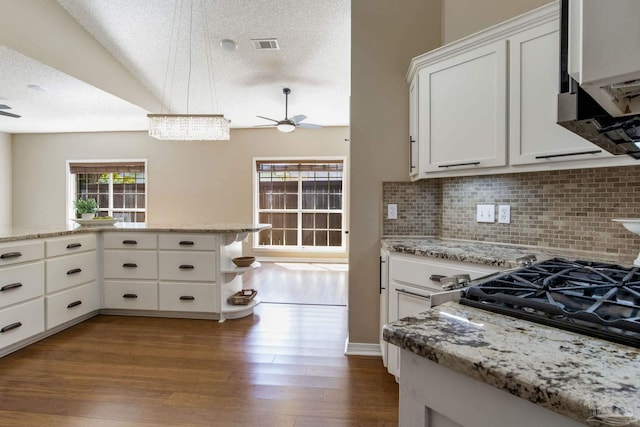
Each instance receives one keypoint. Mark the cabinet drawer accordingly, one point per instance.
(130, 241)
(21, 283)
(70, 245)
(417, 270)
(198, 266)
(199, 297)
(131, 295)
(71, 270)
(21, 321)
(130, 264)
(65, 306)
(195, 242)
(13, 253)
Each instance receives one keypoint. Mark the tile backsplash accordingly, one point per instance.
(569, 209)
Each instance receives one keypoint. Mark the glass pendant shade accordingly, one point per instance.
(189, 127)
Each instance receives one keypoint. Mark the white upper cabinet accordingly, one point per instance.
(534, 136)
(462, 117)
(413, 127)
(493, 93)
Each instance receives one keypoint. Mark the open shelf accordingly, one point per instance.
(232, 268)
(230, 311)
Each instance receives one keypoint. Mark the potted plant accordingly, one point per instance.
(86, 208)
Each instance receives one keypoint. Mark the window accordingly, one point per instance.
(118, 187)
(303, 201)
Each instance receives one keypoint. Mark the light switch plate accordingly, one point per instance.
(392, 211)
(486, 213)
(504, 214)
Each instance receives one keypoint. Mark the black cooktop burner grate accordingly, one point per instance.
(597, 299)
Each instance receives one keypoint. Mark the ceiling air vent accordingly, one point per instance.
(265, 44)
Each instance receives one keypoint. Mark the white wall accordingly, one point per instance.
(189, 182)
(5, 181)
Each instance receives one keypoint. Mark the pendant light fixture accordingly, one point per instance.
(186, 127)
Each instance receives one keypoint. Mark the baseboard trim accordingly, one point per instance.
(362, 349)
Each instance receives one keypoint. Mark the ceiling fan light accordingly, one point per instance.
(286, 127)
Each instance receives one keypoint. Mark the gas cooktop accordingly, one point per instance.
(597, 299)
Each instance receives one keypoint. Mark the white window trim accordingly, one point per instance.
(71, 184)
(318, 249)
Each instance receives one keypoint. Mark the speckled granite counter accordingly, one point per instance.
(487, 253)
(568, 373)
(14, 234)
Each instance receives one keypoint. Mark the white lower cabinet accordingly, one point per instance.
(193, 297)
(187, 265)
(67, 305)
(130, 264)
(411, 279)
(21, 283)
(70, 270)
(131, 295)
(21, 321)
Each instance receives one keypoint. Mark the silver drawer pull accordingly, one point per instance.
(10, 327)
(413, 294)
(74, 245)
(11, 255)
(187, 298)
(74, 271)
(74, 304)
(10, 286)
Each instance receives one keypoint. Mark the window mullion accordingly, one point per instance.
(110, 212)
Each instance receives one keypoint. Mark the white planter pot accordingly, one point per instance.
(88, 215)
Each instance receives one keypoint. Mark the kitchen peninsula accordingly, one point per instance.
(52, 278)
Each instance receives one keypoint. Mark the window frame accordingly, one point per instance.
(71, 184)
(342, 249)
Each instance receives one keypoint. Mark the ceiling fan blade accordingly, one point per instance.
(264, 126)
(4, 113)
(297, 119)
(4, 107)
(308, 126)
(267, 118)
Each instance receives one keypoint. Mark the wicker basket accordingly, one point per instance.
(242, 297)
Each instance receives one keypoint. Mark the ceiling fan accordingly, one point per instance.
(289, 124)
(4, 113)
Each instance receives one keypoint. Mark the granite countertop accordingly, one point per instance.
(569, 373)
(14, 234)
(500, 255)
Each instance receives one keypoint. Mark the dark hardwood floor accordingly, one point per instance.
(283, 366)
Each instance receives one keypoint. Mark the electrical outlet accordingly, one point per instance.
(504, 214)
(486, 213)
(392, 211)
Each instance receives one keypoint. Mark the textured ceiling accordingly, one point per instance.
(151, 40)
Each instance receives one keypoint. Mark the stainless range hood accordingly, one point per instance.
(600, 73)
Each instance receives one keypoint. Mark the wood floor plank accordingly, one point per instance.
(284, 366)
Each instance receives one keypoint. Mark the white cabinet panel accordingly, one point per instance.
(131, 295)
(186, 265)
(21, 321)
(68, 305)
(463, 110)
(534, 135)
(198, 297)
(187, 241)
(70, 245)
(414, 137)
(21, 282)
(64, 272)
(130, 264)
(129, 240)
(13, 253)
